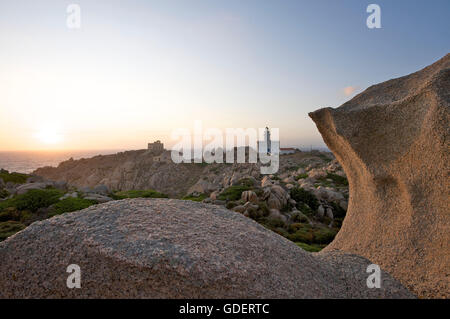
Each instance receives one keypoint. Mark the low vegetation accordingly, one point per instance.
(149, 193)
(233, 192)
(33, 199)
(301, 176)
(195, 198)
(17, 178)
(9, 228)
(311, 248)
(70, 204)
(304, 197)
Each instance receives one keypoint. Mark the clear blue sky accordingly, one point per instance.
(136, 70)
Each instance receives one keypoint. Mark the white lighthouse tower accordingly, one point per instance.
(265, 146)
(267, 140)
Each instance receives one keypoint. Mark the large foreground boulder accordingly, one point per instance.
(161, 248)
(393, 142)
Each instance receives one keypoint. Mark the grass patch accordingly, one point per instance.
(70, 204)
(9, 228)
(149, 193)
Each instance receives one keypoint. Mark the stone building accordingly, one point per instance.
(156, 147)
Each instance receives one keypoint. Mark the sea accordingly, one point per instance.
(28, 161)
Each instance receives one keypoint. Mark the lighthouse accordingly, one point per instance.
(265, 146)
(267, 139)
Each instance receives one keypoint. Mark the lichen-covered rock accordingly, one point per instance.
(165, 248)
(393, 142)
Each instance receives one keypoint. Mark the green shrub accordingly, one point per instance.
(233, 192)
(337, 179)
(302, 235)
(17, 178)
(299, 232)
(34, 199)
(271, 223)
(26, 217)
(305, 209)
(246, 182)
(338, 211)
(3, 193)
(70, 204)
(149, 193)
(231, 204)
(6, 203)
(301, 176)
(324, 235)
(299, 218)
(281, 231)
(311, 248)
(197, 198)
(301, 195)
(292, 168)
(9, 214)
(9, 228)
(337, 222)
(264, 208)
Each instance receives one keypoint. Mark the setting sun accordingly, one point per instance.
(49, 135)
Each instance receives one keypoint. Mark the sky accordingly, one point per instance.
(138, 70)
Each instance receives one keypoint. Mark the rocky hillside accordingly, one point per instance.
(126, 171)
(305, 202)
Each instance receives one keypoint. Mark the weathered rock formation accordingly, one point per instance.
(166, 248)
(393, 142)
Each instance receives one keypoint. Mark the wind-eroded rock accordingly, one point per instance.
(160, 248)
(393, 142)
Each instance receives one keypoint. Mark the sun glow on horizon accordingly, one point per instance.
(49, 135)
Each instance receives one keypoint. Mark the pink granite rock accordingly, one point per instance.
(166, 248)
